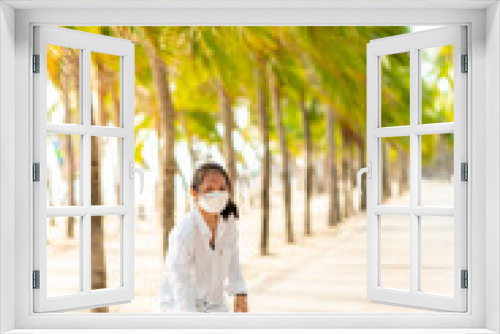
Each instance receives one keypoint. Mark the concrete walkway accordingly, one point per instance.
(324, 272)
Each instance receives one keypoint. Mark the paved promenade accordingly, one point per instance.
(324, 272)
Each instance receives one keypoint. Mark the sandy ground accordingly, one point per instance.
(324, 272)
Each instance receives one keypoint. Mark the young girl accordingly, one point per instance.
(203, 250)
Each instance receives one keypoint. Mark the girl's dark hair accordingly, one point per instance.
(198, 177)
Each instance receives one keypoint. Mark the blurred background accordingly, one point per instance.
(283, 109)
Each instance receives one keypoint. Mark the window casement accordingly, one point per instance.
(412, 215)
(419, 211)
(85, 134)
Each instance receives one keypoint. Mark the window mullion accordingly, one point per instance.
(414, 172)
(127, 190)
(460, 155)
(40, 155)
(85, 270)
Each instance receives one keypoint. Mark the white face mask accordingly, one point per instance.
(215, 201)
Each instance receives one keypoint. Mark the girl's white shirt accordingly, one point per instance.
(194, 275)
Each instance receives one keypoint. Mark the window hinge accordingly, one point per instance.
(36, 279)
(465, 64)
(465, 279)
(36, 172)
(36, 63)
(464, 172)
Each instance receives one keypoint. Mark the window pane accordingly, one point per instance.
(105, 82)
(437, 170)
(395, 251)
(395, 89)
(63, 169)
(437, 84)
(106, 248)
(63, 255)
(63, 84)
(105, 156)
(436, 251)
(395, 167)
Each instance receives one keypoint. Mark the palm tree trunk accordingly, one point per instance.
(99, 274)
(189, 142)
(262, 107)
(160, 130)
(352, 170)
(116, 110)
(341, 174)
(227, 119)
(308, 171)
(192, 154)
(346, 175)
(333, 188)
(322, 178)
(319, 173)
(66, 78)
(167, 126)
(285, 168)
(192, 159)
(406, 163)
(401, 167)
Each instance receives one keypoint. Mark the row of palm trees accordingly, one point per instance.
(304, 88)
(305, 68)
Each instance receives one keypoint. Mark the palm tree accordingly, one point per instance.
(262, 105)
(308, 168)
(68, 77)
(259, 42)
(228, 121)
(334, 210)
(276, 84)
(212, 50)
(151, 39)
(99, 273)
(62, 69)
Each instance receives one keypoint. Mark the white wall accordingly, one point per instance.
(476, 172)
(492, 170)
(7, 160)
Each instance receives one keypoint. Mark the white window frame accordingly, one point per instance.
(413, 43)
(86, 43)
(483, 88)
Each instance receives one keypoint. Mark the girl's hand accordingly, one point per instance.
(240, 303)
